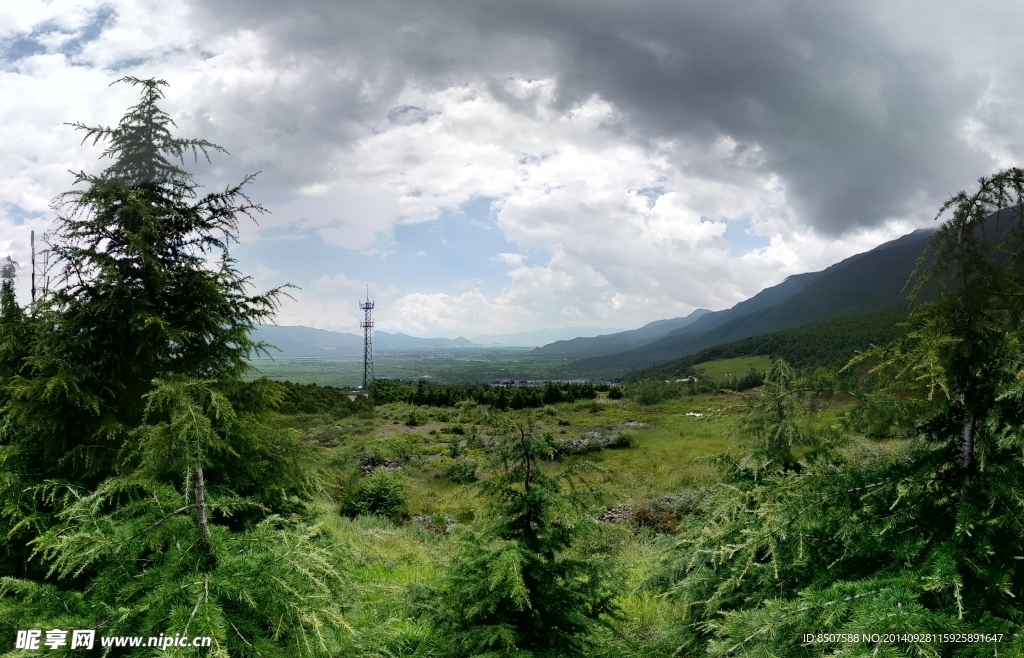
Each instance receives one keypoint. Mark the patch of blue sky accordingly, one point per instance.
(652, 194)
(101, 19)
(741, 238)
(128, 63)
(19, 215)
(22, 47)
(453, 253)
(29, 44)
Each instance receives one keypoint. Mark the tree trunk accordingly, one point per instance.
(967, 446)
(201, 503)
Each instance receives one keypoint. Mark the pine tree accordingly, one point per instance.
(14, 330)
(772, 424)
(516, 589)
(135, 299)
(139, 481)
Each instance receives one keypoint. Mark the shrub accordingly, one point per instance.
(623, 440)
(403, 446)
(650, 515)
(461, 471)
(412, 420)
(370, 455)
(382, 493)
(649, 392)
(616, 393)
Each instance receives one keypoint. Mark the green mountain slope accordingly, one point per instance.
(301, 341)
(865, 283)
(576, 348)
(828, 344)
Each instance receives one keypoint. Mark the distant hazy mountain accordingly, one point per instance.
(623, 340)
(310, 342)
(536, 338)
(382, 340)
(868, 282)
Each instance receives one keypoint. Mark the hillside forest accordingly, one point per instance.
(857, 489)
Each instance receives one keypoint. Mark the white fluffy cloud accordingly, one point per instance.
(629, 234)
(622, 196)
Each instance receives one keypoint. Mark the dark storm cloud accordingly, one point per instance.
(859, 126)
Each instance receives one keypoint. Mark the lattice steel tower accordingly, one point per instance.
(367, 325)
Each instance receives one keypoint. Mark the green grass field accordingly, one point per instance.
(736, 367)
(388, 560)
(663, 458)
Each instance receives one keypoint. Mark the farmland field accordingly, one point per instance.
(442, 366)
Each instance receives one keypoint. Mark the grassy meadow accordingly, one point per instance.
(735, 367)
(388, 559)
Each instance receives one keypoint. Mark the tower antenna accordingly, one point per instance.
(367, 325)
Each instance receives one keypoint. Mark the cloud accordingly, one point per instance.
(444, 314)
(618, 145)
(511, 260)
(859, 109)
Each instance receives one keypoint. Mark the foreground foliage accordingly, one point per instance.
(141, 490)
(921, 535)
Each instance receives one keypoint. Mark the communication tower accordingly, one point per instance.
(44, 272)
(367, 325)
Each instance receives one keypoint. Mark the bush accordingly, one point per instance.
(382, 493)
(623, 440)
(616, 393)
(370, 455)
(403, 446)
(650, 515)
(652, 391)
(412, 420)
(461, 471)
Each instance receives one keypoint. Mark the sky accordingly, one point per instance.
(496, 166)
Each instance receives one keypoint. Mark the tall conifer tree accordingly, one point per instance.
(516, 589)
(138, 479)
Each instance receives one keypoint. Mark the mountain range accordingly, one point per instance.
(306, 342)
(866, 283)
(538, 337)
